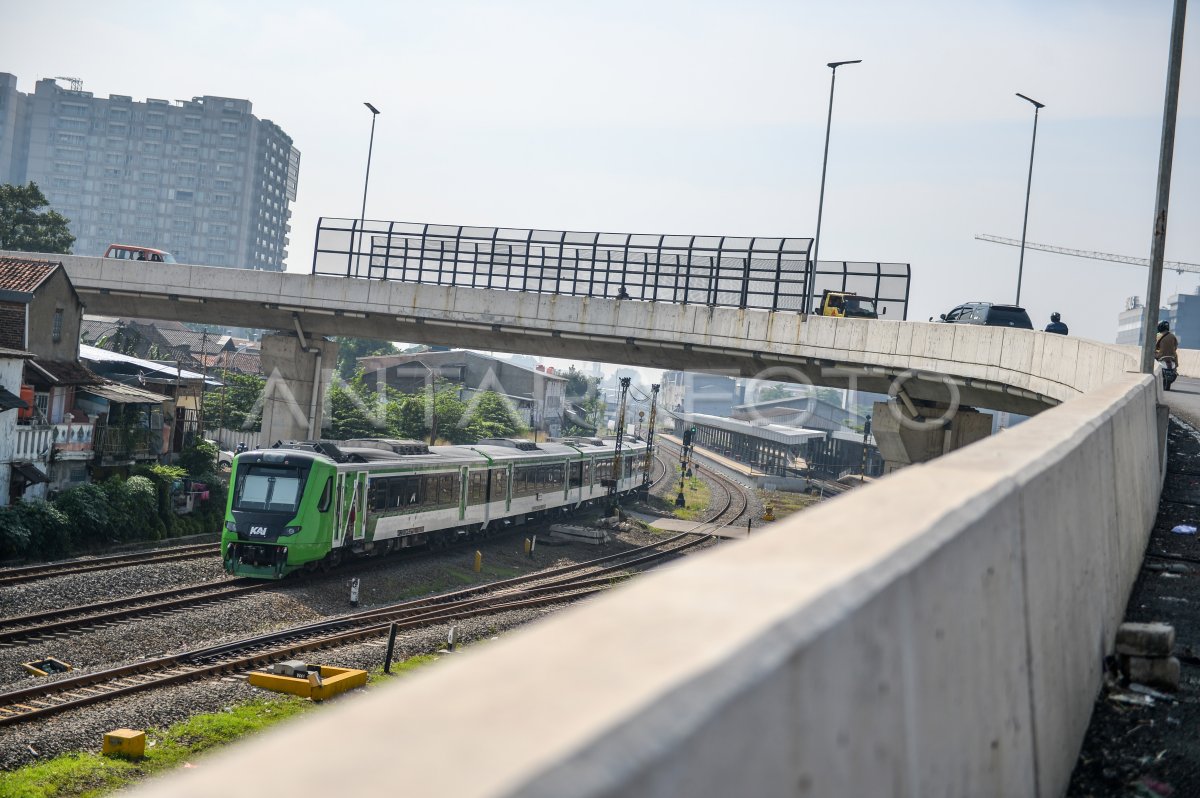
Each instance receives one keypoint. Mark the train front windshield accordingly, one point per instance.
(269, 488)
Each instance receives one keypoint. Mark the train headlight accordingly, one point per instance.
(291, 530)
(231, 526)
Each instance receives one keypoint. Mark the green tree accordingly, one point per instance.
(353, 412)
(14, 535)
(25, 227)
(450, 410)
(49, 529)
(578, 383)
(350, 349)
(235, 405)
(199, 458)
(492, 417)
(406, 415)
(87, 509)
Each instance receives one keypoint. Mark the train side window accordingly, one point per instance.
(499, 484)
(377, 497)
(326, 496)
(411, 495)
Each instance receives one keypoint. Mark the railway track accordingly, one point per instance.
(566, 583)
(733, 497)
(19, 628)
(30, 573)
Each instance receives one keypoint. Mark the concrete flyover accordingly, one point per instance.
(940, 632)
(1018, 371)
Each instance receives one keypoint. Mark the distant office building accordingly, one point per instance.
(1129, 321)
(203, 178)
(1185, 318)
(685, 392)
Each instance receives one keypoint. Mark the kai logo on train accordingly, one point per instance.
(258, 530)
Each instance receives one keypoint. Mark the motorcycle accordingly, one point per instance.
(1170, 371)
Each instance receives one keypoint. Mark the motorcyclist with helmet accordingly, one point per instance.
(1166, 350)
(1056, 325)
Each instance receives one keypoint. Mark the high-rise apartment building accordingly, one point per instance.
(203, 178)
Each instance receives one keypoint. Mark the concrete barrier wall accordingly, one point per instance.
(937, 633)
(1189, 363)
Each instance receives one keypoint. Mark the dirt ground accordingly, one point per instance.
(1154, 749)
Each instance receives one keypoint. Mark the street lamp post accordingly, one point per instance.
(812, 264)
(362, 218)
(1037, 106)
(432, 402)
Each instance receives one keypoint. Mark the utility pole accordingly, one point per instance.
(1166, 156)
(203, 375)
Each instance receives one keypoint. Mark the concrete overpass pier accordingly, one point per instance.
(300, 369)
(908, 433)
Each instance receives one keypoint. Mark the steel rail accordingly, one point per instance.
(40, 701)
(29, 573)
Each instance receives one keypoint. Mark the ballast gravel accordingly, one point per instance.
(289, 603)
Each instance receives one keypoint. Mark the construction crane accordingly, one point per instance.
(1174, 265)
(76, 83)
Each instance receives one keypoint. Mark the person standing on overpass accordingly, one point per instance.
(1056, 325)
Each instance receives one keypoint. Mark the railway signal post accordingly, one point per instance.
(649, 442)
(617, 459)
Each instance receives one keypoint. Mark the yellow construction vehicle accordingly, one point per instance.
(845, 304)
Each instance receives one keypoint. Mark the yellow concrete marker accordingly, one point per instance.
(528, 546)
(478, 561)
(768, 512)
(322, 681)
(125, 742)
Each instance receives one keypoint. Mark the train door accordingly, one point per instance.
(359, 524)
(339, 511)
(575, 480)
(463, 494)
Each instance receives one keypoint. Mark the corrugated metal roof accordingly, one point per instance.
(97, 355)
(777, 433)
(124, 394)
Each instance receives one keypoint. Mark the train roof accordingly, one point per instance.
(388, 451)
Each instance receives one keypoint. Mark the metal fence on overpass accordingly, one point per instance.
(766, 273)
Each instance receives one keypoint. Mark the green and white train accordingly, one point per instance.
(303, 506)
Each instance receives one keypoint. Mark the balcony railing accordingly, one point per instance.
(118, 443)
(34, 442)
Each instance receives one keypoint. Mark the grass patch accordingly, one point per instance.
(89, 775)
(696, 495)
(86, 775)
(785, 502)
(400, 668)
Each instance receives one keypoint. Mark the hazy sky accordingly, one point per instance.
(700, 117)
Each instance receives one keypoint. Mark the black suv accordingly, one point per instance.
(989, 314)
